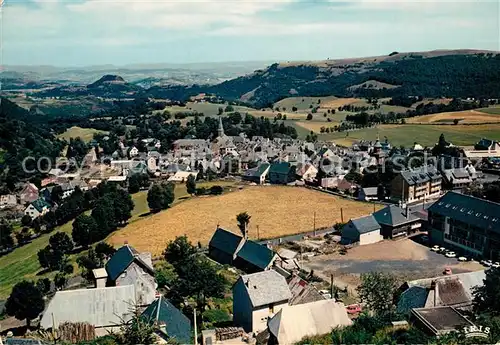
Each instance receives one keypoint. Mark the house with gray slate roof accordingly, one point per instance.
(129, 267)
(364, 230)
(395, 221)
(258, 297)
(229, 248)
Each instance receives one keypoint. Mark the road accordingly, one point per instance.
(297, 237)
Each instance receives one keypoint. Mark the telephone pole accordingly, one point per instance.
(195, 328)
(314, 223)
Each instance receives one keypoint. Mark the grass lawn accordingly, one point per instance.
(271, 208)
(303, 103)
(86, 134)
(22, 263)
(208, 109)
(426, 135)
(494, 110)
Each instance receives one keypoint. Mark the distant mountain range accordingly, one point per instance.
(444, 73)
(145, 75)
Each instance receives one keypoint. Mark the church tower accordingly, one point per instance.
(221, 128)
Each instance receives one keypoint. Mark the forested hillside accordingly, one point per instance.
(18, 140)
(444, 76)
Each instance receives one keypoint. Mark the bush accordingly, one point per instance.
(215, 316)
(201, 191)
(216, 190)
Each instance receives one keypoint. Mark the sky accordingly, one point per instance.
(121, 32)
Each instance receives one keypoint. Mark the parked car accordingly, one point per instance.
(435, 248)
(354, 309)
(487, 263)
(447, 271)
(450, 254)
(442, 250)
(425, 238)
(496, 264)
(462, 258)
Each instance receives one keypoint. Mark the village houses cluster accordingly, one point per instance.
(270, 298)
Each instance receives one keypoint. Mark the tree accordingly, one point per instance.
(216, 190)
(160, 196)
(487, 297)
(134, 185)
(155, 198)
(25, 302)
(198, 278)
(89, 262)
(56, 194)
(6, 240)
(377, 291)
(138, 181)
(104, 216)
(84, 230)
(220, 111)
(23, 236)
(229, 109)
(26, 220)
(243, 219)
(309, 117)
(60, 280)
(104, 250)
(294, 109)
(43, 285)
(123, 206)
(165, 275)
(137, 330)
(179, 251)
(61, 242)
(191, 184)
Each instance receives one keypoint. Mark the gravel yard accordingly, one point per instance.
(405, 258)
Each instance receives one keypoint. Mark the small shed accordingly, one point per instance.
(364, 230)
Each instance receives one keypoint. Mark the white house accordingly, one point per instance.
(182, 176)
(365, 230)
(133, 152)
(37, 208)
(306, 171)
(151, 163)
(258, 297)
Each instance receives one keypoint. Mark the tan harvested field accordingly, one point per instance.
(277, 210)
(334, 104)
(316, 126)
(464, 117)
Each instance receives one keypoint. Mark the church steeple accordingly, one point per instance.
(221, 128)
